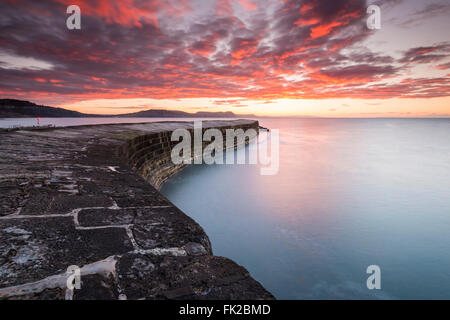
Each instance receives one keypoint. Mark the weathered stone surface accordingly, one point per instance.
(186, 277)
(87, 196)
(167, 230)
(32, 249)
(47, 294)
(96, 287)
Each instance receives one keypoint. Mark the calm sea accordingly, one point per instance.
(349, 193)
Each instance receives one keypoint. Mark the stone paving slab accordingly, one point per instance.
(185, 277)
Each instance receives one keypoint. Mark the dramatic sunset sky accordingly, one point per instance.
(267, 57)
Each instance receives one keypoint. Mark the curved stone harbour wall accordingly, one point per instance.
(67, 199)
(150, 155)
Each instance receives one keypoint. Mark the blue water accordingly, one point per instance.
(349, 193)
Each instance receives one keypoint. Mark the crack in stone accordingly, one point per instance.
(124, 226)
(74, 212)
(16, 217)
(131, 236)
(163, 251)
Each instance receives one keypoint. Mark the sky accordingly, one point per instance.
(266, 57)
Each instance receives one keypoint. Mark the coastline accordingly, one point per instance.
(96, 210)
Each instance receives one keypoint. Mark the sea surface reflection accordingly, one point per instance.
(349, 193)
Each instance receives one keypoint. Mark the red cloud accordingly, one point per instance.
(248, 4)
(137, 48)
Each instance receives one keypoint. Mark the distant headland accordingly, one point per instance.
(11, 108)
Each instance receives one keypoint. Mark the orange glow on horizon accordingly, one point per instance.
(409, 108)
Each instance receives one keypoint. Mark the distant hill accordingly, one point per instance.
(161, 113)
(11, 108)
(153, 113)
